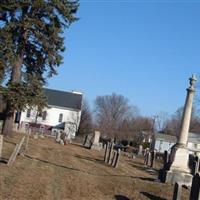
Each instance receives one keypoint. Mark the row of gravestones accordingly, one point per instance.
(111, 156)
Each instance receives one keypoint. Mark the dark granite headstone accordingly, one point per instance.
(153, 156)
(165, 158)
(177, 191)
(194, 192)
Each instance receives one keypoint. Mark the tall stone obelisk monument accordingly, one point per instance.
(177, 170)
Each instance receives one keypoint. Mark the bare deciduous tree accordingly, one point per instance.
(86, 124)
(111, 111)
(161, 119)
(173, 125)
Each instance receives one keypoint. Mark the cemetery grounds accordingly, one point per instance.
(49, 171)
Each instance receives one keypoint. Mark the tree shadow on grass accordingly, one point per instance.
(7, 141)
(90, 173)
(90, 159)
(151, 196)
(144, 168)
(121, 197)
(50, 163)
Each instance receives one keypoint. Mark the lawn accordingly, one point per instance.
(49, 171)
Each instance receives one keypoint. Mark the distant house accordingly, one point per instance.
(163, 142)
(63, 112)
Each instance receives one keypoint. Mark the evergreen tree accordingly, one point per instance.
(31, 44)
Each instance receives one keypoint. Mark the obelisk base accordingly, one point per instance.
(177, 170)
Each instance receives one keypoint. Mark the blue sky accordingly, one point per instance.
(144, 50)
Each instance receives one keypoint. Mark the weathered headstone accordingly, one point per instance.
(27, 139)
(148, 159)
(140, 150)
(145, 158)
(110, 153)
(62, 142)
(146, 151)
(35, 136)
(88, 141)
(114, 158)
(106, 151)
(194, 192)
(58, 134)
(1, 145)
(95, 144)
(177, 191)
(117, 158)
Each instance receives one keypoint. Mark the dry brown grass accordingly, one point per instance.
(50, 171)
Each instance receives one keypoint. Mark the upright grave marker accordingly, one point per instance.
(153, 156)
(117, 158)
(110, 153)
(177, 191)
(194, 192)
(1, 145)
(106, 152)
(95, 144)
(140, 150)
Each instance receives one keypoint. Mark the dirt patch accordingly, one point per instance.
(49, 171)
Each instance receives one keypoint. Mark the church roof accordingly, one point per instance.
(70, 100)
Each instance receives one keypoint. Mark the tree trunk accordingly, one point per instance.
(8, 126)
(9, 113)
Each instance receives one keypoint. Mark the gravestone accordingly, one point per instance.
(58, 134)
(165, 158)
(114, 158)
(153, 156)
(148, 161)
(177, 191)
(88, 141)
(110, 153)
(194, 192)
(117, 158)
(106, 152)
(95, 144)
(62, 142)
(146, 151)
(27, 140)
(1, 145)
(140, 150)
(146, 158)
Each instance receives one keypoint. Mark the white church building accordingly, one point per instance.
(63, 112)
